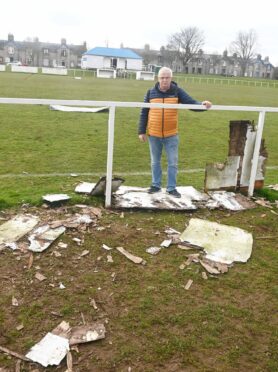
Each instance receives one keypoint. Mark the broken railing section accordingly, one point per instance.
(234, 174)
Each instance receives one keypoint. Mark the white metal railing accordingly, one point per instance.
(111, 124)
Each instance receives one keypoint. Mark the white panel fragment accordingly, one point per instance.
(51, 350)
(77, 109)
(136, 197)
(153, 250)
(85, 187)
(17, 227)
(43, 236)
(54, 198)
(224, 199)
(219, 175)
(222, 243)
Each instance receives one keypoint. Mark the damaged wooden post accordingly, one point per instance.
(244, 167)
(110, 147)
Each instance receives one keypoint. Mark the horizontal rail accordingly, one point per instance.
(31, 101)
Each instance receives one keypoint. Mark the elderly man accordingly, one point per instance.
(162, 128)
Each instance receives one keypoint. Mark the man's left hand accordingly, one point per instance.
(207, 104)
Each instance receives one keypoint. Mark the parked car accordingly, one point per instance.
(15, 63)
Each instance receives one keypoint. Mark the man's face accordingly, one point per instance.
(164, 80)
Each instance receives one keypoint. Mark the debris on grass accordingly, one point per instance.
(273, 187)
(221, 243)
(100, 187)
(55, 198)
(84, 188)
(131, 257)
(264, 203)
(87, 333)
(40, 277)
(14, 229)
(93, 303)
(188, 284)
(15, 301)
(109, 258)
(104, 246)
(51, 350)
(13, 353)
(43, 237)
(153, 250)
(204, 275)
(166, 243)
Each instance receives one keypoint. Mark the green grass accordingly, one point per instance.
(36, 140)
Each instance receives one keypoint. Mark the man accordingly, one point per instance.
(162, 128)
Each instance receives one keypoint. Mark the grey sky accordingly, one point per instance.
(135, 24)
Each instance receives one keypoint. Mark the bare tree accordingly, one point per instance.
(186, 43)
(244, 48)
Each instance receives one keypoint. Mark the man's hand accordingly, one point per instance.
(143, 137)
(207, 104)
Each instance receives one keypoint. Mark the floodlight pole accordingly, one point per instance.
(256, 153)
(110, 147)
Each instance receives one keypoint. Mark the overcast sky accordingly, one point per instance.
(136, 23)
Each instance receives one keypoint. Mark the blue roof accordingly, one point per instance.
(112, 52)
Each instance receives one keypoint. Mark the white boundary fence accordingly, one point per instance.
(111, 126)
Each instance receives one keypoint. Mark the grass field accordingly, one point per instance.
(225, 324)
(36, 140)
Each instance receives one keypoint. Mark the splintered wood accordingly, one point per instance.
(131, 257)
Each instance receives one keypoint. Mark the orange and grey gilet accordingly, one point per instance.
(163, 122)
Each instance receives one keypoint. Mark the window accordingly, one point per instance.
(63, 53)
(45, 51)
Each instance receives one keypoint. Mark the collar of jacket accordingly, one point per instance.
(171, 90)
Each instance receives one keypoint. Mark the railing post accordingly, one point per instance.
(110, 147)
(256, 153)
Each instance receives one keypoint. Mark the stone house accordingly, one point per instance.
(41, 54)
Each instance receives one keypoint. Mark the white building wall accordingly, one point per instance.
(134, 64)
(92, 62)
(121, 63)
(105, 62)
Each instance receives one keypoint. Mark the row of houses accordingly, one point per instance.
(44, 54)
(41, 54)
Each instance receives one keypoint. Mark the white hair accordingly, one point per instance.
(165, 69)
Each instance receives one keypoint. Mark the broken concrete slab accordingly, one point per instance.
(222, 243)
(17, 227)
(43, 237)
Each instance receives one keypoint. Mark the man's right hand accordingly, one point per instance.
(143, 137)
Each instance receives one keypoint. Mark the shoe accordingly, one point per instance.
(174, 193)
(153, 189)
